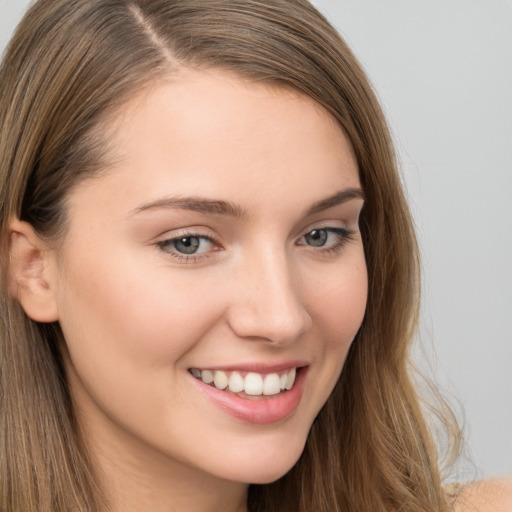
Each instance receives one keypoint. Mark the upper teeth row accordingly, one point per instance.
(253, 383)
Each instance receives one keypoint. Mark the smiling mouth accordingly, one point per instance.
(248, 384)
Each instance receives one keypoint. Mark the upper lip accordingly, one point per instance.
(256, 367)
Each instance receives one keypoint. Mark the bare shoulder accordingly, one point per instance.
(485, 496)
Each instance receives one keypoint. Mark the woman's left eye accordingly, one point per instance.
(187, 246)
(328, 239)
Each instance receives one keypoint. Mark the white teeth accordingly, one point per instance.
(272, 384)
(254, 384)
(207, 376)
(291, 378)
(236, 383)
(220, 380)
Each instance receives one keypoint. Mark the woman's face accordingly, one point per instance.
(223, 244)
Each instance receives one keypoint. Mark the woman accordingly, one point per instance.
(209, 269)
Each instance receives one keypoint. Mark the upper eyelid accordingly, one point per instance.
(208, 232)
(169, 235)
(169, 240)
(327, 225)
(173, 234)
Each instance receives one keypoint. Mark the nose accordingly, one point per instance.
(266, 303)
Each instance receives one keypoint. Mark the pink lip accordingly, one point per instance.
(259, 411)
(256, 367)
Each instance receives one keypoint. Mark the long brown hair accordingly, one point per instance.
(69, 66)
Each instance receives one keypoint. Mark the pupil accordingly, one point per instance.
(317, 238)
(188, 245)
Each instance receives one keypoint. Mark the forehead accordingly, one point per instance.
(213, 133)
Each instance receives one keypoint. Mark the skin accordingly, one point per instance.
(486, 496)
(137, 316)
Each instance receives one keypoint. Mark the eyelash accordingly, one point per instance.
(344, 236)
(167, 247)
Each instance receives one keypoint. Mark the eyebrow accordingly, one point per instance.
(195, 204)
(219, 207)
(339, 198)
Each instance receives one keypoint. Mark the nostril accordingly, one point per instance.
(272, 327)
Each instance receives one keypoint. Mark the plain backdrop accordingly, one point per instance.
(443, 72)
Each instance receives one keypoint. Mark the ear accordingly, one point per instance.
(31, 276)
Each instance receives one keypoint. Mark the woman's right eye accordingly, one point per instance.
(188, 247)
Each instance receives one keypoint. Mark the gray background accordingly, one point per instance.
(443, 71)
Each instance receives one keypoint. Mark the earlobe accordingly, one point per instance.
(31, 278)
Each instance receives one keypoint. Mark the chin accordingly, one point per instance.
(267, 465)
(266, 477)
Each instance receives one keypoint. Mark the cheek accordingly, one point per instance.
(129, 330)
(120, 310)
(340, 306)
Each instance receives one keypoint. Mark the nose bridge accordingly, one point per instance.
(269, 304)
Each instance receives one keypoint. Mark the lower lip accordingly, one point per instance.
(260, 411)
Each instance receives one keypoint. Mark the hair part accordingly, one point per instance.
(68, 69)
